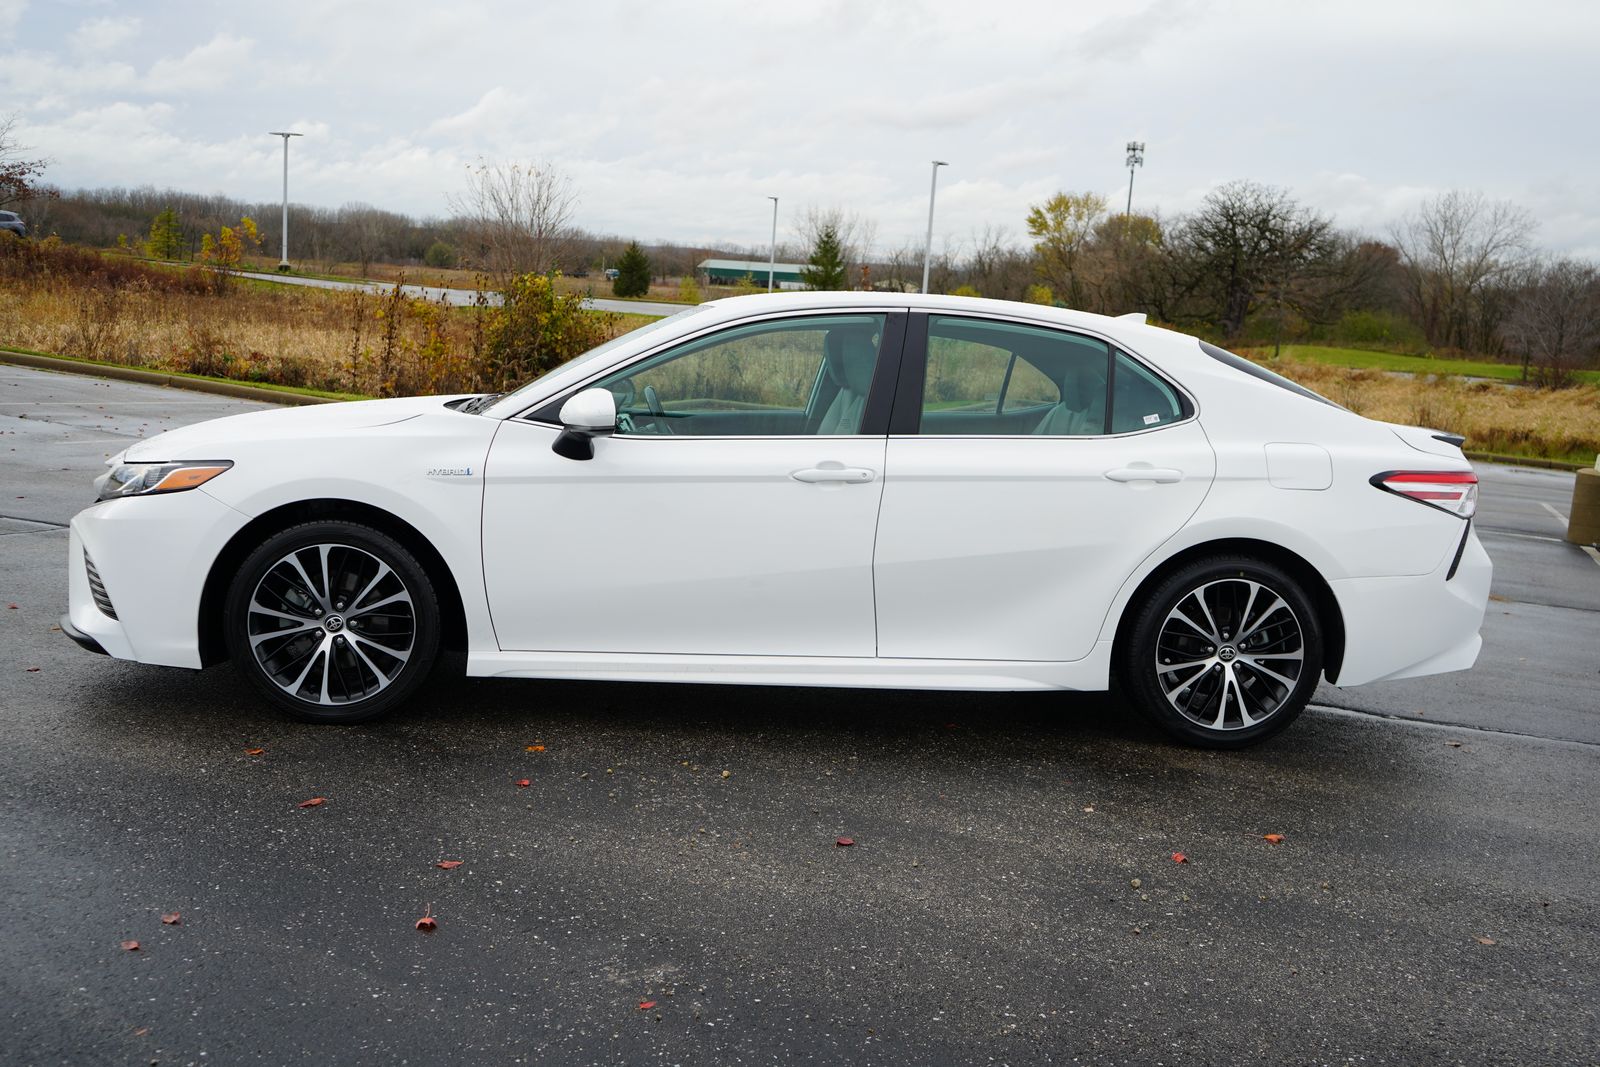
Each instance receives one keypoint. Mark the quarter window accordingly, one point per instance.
(778, 378)
(1140, 400)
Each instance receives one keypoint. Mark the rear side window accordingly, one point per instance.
(1255, 370)
(1140, 400)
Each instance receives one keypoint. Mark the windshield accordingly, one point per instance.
(595, 353)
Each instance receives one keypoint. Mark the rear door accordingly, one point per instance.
(1029, 471)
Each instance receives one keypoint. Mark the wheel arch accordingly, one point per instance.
(214, 594)
(1328, 613)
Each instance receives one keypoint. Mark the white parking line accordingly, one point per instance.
(1562, 519)
(1593, 553)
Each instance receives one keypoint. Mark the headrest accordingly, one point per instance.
(851, 356)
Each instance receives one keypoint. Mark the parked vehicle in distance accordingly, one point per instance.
(10, 220)
(830, 489)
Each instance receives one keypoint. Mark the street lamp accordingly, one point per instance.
(772, 261)
(927, 248)
(1135, 159)
(283, 246)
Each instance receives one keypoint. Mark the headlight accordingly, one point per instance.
(145, 479)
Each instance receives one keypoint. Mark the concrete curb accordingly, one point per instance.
(239, 391)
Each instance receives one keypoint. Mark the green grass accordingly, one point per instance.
(1391, 361)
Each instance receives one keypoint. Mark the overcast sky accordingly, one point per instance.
(677, 120)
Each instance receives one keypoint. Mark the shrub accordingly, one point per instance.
(440, 255)
(535, 329)
(688, 290)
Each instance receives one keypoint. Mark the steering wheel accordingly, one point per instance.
(657, 412)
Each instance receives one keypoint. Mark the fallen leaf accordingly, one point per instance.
(1179, 857)
(33, 670)
(523, 783)
(449, 865)
(646, 1005)
(130, 946)
(254, 751)
(141, 1031)
(173, 918)
(314, 802)
(427, 924)
(727, 774)
(1089, 810)
(1453, 744)
(845, 842)
(13, 607)
(1272, 839)
(1483, 940)
(535, 748)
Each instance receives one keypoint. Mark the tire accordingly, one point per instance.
(344, 658)
(1184, 664)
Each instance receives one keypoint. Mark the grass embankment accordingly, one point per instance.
(72, 302)
(1362, 359)
(1510, 420)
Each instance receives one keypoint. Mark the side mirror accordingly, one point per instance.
(584, 417)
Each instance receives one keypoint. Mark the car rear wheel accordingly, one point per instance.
(1223, 653)
(333, 622)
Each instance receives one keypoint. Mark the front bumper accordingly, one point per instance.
(153, 555)
(1405, 627)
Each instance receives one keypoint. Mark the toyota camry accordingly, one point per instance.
(820, 489)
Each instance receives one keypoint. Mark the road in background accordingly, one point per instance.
(467, 297)
(1011, 895)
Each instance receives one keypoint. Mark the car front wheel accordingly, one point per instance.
(335, 622)
(1224, 653)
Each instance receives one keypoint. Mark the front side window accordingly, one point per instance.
(1001, 378)
(786, 377)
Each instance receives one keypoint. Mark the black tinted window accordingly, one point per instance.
(1255, 370)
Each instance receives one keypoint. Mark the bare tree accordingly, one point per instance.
(1555, 323)
(856, 234)
(1457, 248)
(19, 177)
(997, 267)
(520, 216)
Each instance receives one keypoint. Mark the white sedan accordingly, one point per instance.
(824, 489)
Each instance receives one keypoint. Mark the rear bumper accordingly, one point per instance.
(1410, 626)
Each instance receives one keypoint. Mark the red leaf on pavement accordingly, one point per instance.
(523, 783)
(845, 842)
(33, 670)
(1179, 857)
(12, 607)
(1483, 940)
(255, 751)
(314, 802)
(130, 946)
(427, 924)
(646, 1005)
(449, 865)
(1272, 839)
(173, 918)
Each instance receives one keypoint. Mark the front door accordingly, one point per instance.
(732, 513)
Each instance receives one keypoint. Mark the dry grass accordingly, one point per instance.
(1562, 424)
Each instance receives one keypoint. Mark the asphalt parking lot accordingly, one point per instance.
(668, 888)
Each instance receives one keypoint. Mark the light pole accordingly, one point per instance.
(772, 260)
(283, 245)
(1135, 159)
(927, 248)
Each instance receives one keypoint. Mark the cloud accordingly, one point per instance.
(100, 35)
(206, 67)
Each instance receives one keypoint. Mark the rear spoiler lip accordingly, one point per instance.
(1454, 439)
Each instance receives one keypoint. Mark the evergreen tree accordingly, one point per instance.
(633, 272)
(166, 236)
(825, 268)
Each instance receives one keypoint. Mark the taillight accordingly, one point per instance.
(1452, 491)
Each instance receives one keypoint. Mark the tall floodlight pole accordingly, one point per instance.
(1135, 159)
(772, 260)
(927, 248)
(283, 245)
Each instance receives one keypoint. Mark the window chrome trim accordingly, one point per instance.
(1112, 343)
(685, 338)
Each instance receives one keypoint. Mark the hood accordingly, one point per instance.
(211, 440)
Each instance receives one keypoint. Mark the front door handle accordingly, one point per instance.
(1164, 475)
(851, 475)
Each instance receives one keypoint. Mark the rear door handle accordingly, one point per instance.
(852, 475)
(1165, 475)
